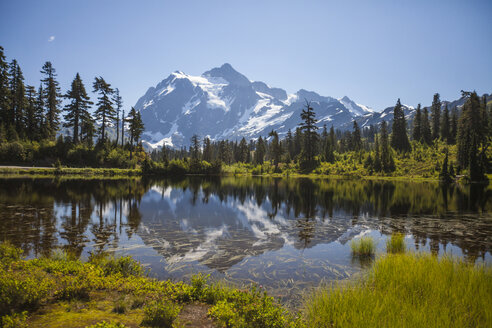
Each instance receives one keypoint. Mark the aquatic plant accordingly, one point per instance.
(396, 244)
(364, 246)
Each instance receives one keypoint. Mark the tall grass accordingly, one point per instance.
(396, 244)
(363, 247)
(408, 290)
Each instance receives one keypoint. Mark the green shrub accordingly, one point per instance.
(160, 314)
(22, 290)
(364, 246)
(9, 253)
(396, 244)
(125, 265)
(15, 320)
(251, 309)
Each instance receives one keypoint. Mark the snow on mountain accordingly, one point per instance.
(354, 108)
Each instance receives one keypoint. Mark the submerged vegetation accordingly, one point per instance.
(396, 244)
(404, 290)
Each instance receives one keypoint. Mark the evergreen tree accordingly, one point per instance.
(243, 151)
(356, 138)
(118, 101)
(308, 126)
(195, 148)
(426, 130)
(377, 155)
(51, 99)
(326, 149)
(260, 151)
(42, 131)
(454, 127)
(4, 90)
(444, 175)
(445, 126)
(297, 142)
(207, 150)
(19, 102)
(225, 152)
(105, 113)
(333, 141)
(472, 141)
(275, 149)
(387, 162)
(399, 138)
(417, 125)
(290, 145)
(77, 108)
(135, 127)
(31, 117)
(436, 116)
(87, 129)
(123, 128)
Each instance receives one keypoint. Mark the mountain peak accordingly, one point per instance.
(228, 73)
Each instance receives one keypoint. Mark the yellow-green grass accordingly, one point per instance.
(407, 290)
(396, 244)
(364, 246)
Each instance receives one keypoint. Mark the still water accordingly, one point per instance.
(284, 234)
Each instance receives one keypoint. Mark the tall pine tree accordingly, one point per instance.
(77, 108)
(436, 116)
(118, 101)
(426, 129)
(472, 142)
(399, 138)
(105, 113)
(308, 126)
(51, 99)
(445, 126)
(417, 125)
(4, 90)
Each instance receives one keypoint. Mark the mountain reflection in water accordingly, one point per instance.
(287, 234)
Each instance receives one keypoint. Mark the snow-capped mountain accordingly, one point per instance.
(355, 109)
(223, 103)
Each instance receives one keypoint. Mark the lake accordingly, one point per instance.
(286, 235)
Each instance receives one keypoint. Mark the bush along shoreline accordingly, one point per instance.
(398, 290)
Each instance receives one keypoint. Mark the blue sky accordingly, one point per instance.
(372, 51)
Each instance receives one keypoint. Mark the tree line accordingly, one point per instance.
(28, 114)
(467, 129)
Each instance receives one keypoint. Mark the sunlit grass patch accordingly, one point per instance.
(396, 244)
(407, 290)
(363, 247)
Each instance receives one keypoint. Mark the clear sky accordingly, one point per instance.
(372, 51)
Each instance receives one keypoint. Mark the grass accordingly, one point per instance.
(396, 244)
(363, 247)
(407, 290)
